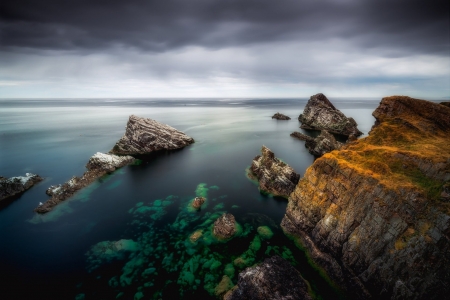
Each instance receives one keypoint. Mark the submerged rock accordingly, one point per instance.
(320, 114)
(372, 214)
(274, 176)
(143, 136)
(10, 187)
(198, 201)
(225, 226)
(275, 278)
(320, 145)
(279, 116)
(98, 165)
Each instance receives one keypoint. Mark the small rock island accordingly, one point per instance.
(13, 186)
(279, 116)
(225, 226)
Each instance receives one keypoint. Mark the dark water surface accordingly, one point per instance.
(127, 235)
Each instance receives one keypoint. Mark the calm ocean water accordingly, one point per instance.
(72, 252)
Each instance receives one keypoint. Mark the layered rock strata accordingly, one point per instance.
(372, 213)
(13, 186)
(98, 165)
(225, 226)
(143, 136)
(279, 116)
(274, 176)
(275, 278)
(320, 114)
(320, 145)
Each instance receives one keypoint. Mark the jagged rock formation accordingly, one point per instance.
(10, 187)
(279, 116)
(320, 114)
(98, 165)
(143, 136)
(371, 213)
(320, 145)
(225, 226)
(274, 176)
(275, 278)
(198, 201)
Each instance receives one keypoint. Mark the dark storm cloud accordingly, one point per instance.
(414, 26)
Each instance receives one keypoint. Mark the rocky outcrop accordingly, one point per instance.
(446, 103)
(98, 165)
(225, 226)
(274, 176)
(275, 278)
(320, 114)
(198, 202)
(372, 215)
(143, 136)
(279, 116)
(13, 186)
(320, 145)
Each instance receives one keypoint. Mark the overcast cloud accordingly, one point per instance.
(215, 48)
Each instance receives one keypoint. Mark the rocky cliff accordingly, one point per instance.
(320, 145)
(143, 136)
(372, 214)
(320, 114)
(98, 165)
(13, 186)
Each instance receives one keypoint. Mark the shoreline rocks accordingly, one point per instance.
(10, 187)
(279, 116)
(98, 165)
(320, 145)
(225, 226)
(274, 176)
(320, 114)
(144, 136)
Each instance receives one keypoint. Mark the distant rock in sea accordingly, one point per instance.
(13, 186)
(143, 136)
(274, 176)
(320, 145)
(275, 278)
(225, 226)
(98, 165)
(198, 202)
(320, 114)
(279, 116)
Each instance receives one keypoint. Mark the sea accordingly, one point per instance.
(129, 234)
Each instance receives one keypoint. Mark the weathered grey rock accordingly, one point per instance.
(279, 116)
(320, 114)
(143, 136)
(225, 226)
(13, 186)
(274, 176)
(320, 145)
(275, 278)
(198, 201)
(98, 165)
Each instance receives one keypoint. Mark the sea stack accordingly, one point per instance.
(320, 145)
(320, 114)
(144, 136)
(373, 213)
(274, 176)
(13, 186)
(279, 116)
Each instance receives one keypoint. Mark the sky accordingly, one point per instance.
(224, 48)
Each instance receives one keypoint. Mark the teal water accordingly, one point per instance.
(127, 235)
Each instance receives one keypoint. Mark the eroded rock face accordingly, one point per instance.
(198, 202)
(10, 187)
(274, 176)
(143, 136)
(320, 114)
(225, 226)
(320, 145)
(98, 165)
(279, 116)
(275, 278)
(372, 213)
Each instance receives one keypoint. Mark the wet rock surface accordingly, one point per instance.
(279, 116)
(225, 226)
(320, 145)
(98, 165)
(372, 215)
(275, 278)
(320, 114)
(13, 186)
(143, 136)
(274, 176)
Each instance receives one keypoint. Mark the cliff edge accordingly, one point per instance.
(375, 214)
